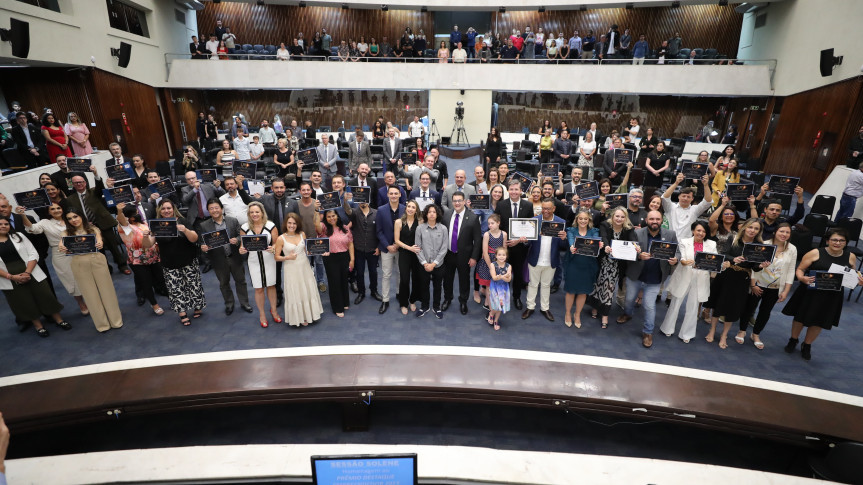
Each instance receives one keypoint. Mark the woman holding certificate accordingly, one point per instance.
(302, 299)
(262, 262)
(814, 308)
(339, 261)
(179, 264)
(733, 290)
(770, 285)
(91, 274)
(729, 175)
(688, 282)
(580, 269)
(143, 261)
(24, 284)
(616, 228)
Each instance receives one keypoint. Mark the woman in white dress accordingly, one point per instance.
(53, 229)
(302, 299)
(262, 264)
(586, 153)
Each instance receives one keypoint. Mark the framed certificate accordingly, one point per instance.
(117, 172)
(709, 261)
(246, 169)
(825, 280)
(208, 174)
(551, 228)
(693, 170)
(525, 181)
(662, 249)
(361, 195)
(527, 228)
(122, 194)
(163, 187)
(617, 200)
(317, 246)
(216, 239)
(587, 246)
(32, 199)
(758, 253)
(408, 158)
(479, 201)
(79, 164)
(587, 190)
(329, 200)
(163, 227)
(782, 184)
(80, 244)
(255, 242)
(622, 156)
(738, 192)
(567, 198)
(307, 156)
(549, 170)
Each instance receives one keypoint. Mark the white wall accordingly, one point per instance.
(795, 33)
(680, 80)
(477, 112)
(82, 30)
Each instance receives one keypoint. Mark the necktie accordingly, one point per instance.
(362, 183)
(279, 217)
(87, 211)
(425, 194)
(202, 205)
(454, 243)
(515, 209)
(141, 214)
(459, 188)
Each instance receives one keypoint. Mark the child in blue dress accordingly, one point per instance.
(499, 289)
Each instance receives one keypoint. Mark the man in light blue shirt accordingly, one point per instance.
(639, 51)
(574, 45)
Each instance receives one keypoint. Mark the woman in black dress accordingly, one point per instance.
(733, 291)
(657, 163)
(818, 309)
(284, 160)
(492, 148)
(616, 227)
(647, 144)
(409, 266)
(378, 130)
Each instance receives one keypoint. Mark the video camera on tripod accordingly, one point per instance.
(459, 110)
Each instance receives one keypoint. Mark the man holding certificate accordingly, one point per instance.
(543, 259)
(515, 207)
(648, 273)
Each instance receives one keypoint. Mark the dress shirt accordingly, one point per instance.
(611, 42)
(575, 44)
(362, 182)
(256, 150)
(680, 219)
(243, 148)
(392, 142)
(459, 56)
(854, 185)
(544, 258)
(268, 135)
(27, 134)
(235, 207)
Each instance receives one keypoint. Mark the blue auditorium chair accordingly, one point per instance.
(258, 47)
(247, 47)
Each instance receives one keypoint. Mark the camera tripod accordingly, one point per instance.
(434, 134)
(459, 132)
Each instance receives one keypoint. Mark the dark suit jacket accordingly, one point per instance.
(504, 210)
(432, 193)
(63, 180)
(373, 184)
(233, 227)
(189, 199)
(385, 226)
(20, 138)
(469, 243)
(93, 197)
(383, 199)
(288, 206)
(533, 252)
(633, 268)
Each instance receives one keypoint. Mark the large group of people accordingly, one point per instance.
(614, 45)
(417, 230)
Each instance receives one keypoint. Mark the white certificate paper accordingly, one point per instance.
(422, 202)
(624, 250)
(849, 276)
(527, 228)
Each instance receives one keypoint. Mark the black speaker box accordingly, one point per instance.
(828, 61)
(125, 54)
(19, 35)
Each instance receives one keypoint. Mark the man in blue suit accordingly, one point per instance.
(390, 181)
(543, 258)
(424, 191)
(385, 224)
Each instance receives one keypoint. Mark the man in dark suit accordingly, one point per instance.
(392, 149)
(542, 260)
(516, 207)
(117, 157)
(197, 49)
(648, 274)
(385, 227)
(195, 197)
(89, 200)
(152, 195)
(227, 261)
(145, 208)
(362, 179)
(277, 205)
(390, 181)
(29, 141)
(612, 170)
(425, 190)
(359, 152)
(465, 246)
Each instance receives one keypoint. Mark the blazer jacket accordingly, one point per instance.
(504, 210)
(388, 153)
(371, 182)
(431, 192)
(288, 205)
(189, 196)
(327, 154)
(93, 197)
(233, 228)
(556, 242)
(446, 197)
(28, 253)
(383, 199)
(21, 140)
(633, 268)
(469, 235)
(688, 279)
(385, 226)
(357, 157)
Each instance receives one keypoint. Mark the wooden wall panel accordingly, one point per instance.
(830, 109)
(272, 24)
(704, 26)
(96, 96)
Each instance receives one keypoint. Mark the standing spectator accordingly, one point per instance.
(23, 283)
(230, 40)
(339, 261)
(302, 300)
(267, 134)
(464, 248)
(471, 42)
(493, 147)
(587, 152)
(238, 124)
(197, 49)
(56, 139)
(420, 44)
(144, 261)
(855, 151)
(92, 276)
(374, 48)
(344, 51)
(262, 264)
(296, 50)
(78, 134)
(853, 191)
(550, 47)
(662, 54)
(385, 224)
(542, 260)
(674, 45)
(517, 41)
(587, 45)
(407, 43)
(442, 53)
(441, 167)
(528, 51)
(658, 162)
(220, 30)
(454, 37)
(640, 51)
(386, 49)
(574, 45)
(562, 148)
(179, 265)
(416, 129)
(213, 47)
(326, 42)
(404, 232)
(432, 239)
(241, 145)
(625, 44)
(283, 54)
(689, 283)
(485, 53)
(459, 56)
(359, 152)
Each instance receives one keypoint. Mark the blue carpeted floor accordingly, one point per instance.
(833, 367)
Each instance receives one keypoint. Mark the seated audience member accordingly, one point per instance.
(227, 261)
(283, 54)
(295, 50)
(442, 53)
(144, 261)
(508, 52)
(29, 141)
(459, 55)
(227, 155)
(190, 159)
(91, 274)
(197, 49)
(344, 52)
(24, 284)
(771, 218)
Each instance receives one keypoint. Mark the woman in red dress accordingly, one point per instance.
(55, 137)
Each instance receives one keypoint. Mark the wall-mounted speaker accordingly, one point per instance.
(124, 53)
(18, 34)
(828, 62)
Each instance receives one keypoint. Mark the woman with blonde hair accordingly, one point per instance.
(616, 228)
(262, 263)
(79, 134)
